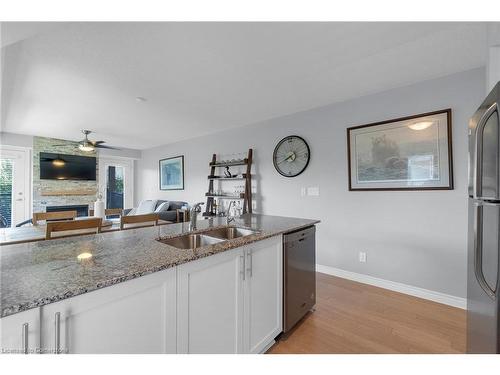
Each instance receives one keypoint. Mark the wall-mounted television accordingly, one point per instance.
(67, 167)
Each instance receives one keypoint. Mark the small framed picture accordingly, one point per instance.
(409, 153)
(172, 173)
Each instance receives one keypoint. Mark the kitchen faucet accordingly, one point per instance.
(228, 216)
(193, 214)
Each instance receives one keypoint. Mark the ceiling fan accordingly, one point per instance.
(86, 145)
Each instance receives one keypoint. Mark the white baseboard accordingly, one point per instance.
(397, 287)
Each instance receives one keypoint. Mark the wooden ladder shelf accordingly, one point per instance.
(246, 177)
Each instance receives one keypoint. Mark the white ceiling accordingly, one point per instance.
(13, 32)
(200, 78)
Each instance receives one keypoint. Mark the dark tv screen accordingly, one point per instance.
(67, 167)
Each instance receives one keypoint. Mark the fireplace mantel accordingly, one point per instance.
(47, 193)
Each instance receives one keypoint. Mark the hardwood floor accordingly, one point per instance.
(351, 317)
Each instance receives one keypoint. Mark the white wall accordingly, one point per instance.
(493, 62)
(416, 238)
(19, 140)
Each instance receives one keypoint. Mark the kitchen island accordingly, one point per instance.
(127, 292)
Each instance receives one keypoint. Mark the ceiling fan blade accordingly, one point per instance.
(102, 146)
(67, 144)
(87, 142)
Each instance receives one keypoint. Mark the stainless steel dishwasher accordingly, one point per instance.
(299, 275)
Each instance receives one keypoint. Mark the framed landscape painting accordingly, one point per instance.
(410, 153)
(172, 173)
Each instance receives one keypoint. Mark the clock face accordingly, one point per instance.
(291, 156)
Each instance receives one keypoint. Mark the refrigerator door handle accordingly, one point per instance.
(478, 251)
(478, 152)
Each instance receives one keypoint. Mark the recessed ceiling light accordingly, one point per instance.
(140, 99)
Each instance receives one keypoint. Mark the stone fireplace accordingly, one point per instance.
(60, 193)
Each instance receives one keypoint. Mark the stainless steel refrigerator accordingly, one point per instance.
(483, 308)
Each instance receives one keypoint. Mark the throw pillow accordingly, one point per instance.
(146, 207)
(163, 207)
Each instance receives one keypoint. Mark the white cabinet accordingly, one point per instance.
(231, 302)
(263, 295)
(20, 333)
(210, 304)
(136, 316)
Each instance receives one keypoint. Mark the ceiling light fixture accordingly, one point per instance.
(140, 99)
(86, 147)
(420, 125)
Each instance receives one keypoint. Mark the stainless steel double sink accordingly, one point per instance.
(208, 237)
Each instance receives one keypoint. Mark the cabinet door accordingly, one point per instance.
(20, 333)
(210, 304)
(263, 294)
(136, 316)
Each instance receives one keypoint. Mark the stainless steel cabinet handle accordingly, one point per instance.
(57, 333)
(478, 251)
(478, 151)
(242, 266)
(250, 265)
(25, 338)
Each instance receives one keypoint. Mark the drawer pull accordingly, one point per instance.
(25, 338)
(57, 332)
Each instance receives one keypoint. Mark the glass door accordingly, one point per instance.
(14, 181)
(115, 186)
(116, 182)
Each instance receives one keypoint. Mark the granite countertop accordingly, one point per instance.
(38, 273)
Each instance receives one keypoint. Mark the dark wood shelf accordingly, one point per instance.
(224, 197)
(229, 163)
(241, 196)
(223, 178)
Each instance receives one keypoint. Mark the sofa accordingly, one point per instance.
(167, 210)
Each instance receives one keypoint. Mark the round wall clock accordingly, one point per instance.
(291, 156)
